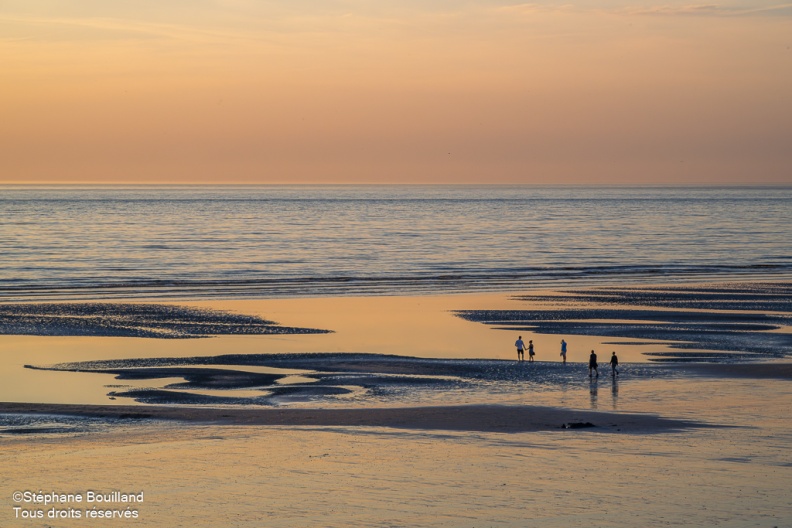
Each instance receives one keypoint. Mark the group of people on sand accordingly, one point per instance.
(593, 366)
(521, 350)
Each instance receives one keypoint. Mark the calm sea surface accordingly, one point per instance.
(267, 241)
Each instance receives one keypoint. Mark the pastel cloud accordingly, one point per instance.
(707, 10)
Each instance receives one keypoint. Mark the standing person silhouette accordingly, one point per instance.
(563, 351)
(530, 351)
(614, 362)
(593, 363)
(520, 348)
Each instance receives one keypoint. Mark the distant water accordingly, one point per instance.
(267, 241)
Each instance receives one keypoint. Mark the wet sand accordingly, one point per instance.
(782, 371)
(674, 443)
(481, 418)
(220, 474)
(141, 320)
(727, 322)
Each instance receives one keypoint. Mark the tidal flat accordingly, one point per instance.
(412, 411)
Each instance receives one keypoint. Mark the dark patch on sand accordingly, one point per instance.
(42, 423)
(373, 380)
(197, 378)
(38, 430)
(170, 397)
(328, 375)
(782, 371)
(133, 320)
(481, 418)
(577, 425)
(759, 297)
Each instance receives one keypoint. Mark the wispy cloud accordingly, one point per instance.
(631, 7)
(533, 8)
(710, 10)
(700, 9)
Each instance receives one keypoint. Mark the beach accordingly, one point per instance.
(407, 474)
(407, 411)
(395, 264)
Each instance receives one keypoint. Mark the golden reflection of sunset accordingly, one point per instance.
(252, 92)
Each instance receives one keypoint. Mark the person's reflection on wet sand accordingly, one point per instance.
(615, 392)
(593, 392)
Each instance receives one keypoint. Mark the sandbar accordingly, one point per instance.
(478, 418)
(781, 371)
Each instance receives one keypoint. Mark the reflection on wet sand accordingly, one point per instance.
(593, 391)
(615, 393)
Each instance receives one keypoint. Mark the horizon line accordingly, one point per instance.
(382, 184)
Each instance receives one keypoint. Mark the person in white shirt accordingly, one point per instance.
(520, 349)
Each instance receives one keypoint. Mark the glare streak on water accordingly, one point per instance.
(297, 240)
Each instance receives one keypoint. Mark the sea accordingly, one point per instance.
(229, 241)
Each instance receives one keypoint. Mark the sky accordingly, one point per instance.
(407, 91)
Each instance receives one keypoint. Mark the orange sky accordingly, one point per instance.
(250, 91)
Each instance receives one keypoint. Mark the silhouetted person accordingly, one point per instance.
(614, 362)
(520, 348)
(530, 351)
(593, 363)
(563, 351)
